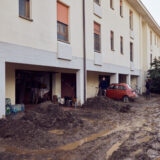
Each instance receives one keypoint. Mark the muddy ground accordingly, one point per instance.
(115, 131)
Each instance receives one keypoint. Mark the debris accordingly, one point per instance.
(100, 102)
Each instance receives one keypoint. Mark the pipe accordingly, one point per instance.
(84, 50)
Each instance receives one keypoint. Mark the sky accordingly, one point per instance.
(153, 7)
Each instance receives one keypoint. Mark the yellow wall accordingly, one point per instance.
(92, 84)
(10, 83)
(134, 80)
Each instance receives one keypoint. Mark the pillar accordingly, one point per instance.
(80, 87)
(114, 78)
(2, 88)
(56, 84)
(129, 79)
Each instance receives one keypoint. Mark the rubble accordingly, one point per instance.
(32, 125)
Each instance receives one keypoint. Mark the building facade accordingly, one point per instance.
(42, 42)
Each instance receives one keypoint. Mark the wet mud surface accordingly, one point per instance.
(98, 133)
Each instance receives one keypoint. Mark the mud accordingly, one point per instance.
(107, 104)
(97, 131)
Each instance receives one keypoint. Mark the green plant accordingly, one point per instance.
(154, 75)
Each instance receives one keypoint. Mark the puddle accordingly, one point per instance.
(58, 132)
(88, 120)
(115, 147)
(93, 137)
(144, 139)
(136, 152)
(67, 147)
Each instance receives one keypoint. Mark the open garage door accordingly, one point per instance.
(33, 87)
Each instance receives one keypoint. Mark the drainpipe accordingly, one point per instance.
(84, 50)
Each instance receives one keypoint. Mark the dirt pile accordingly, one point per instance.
(32, 126)
(107, 104)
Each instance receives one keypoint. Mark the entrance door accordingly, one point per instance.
(68, 85)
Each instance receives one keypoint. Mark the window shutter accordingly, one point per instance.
(62, 13)
(22, 8)
(97, 28)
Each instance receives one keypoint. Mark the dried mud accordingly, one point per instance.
(97, 131)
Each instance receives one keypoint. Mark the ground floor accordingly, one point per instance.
(34, 84)
(32, 76)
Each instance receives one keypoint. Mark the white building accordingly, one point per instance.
(42, 42)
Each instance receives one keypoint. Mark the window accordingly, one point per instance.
(111, 4)
(121, 8)
(121, 87)
(155, 38)
(97, 37)
(150, 58)
(131, 20)
(121, 44)
(97, 1)
(62, 22)
(24, 8)
(131, 51)
(112, 40)
(150, 37)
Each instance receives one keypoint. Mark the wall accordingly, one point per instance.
(42, 32)
(111, 20)
(92, 84)
(10, 83)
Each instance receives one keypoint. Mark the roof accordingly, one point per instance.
(142, 10)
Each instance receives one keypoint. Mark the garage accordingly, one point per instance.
(68, 86)
(33, 87)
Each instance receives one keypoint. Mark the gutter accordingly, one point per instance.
(84, 50)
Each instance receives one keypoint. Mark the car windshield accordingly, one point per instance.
(129, 86)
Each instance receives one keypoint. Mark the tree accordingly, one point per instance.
(154, 75)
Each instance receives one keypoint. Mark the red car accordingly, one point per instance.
(121, 91)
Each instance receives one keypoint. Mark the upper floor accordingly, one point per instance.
(118, 32)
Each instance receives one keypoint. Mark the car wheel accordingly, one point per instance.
(125, 99)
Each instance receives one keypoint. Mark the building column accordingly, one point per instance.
(2, 88)
(56, 84)
(140, 84)
(114, 78)
(129, 79)
(80, 87)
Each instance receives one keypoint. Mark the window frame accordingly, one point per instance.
(121, 8)
(131, 20)
(151, 38)
(112, 40)
(27, 12)
(121, 45)
(97, 39)
(112, 4)
(131, 52)
(151, 58)
(59, 25)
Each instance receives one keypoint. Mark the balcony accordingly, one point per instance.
(97, 10)
(132, 34)
(132, 67)
(98, 59)
(64, 51)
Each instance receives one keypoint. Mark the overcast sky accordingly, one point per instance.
(154, 8)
